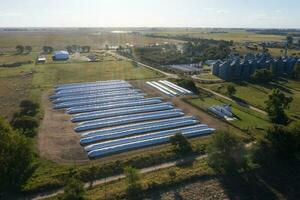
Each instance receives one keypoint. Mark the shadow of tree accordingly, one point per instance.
(276, 182)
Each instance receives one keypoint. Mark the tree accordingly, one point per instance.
(29, 108)
(231, 90)
(16, 158)
(20, 49)
(47, 49)
(226, 152)
(280, 143)
(289, 40)
(181, 145)
(69, 49)
(74, 190)
(86, 49)
(134, 186)
(275, 106)
(28, 49)
(262, 76)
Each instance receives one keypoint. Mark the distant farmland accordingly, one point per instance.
(60, 39)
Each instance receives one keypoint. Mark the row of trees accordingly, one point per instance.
(78, 48)
(23, 49)
(48, 49)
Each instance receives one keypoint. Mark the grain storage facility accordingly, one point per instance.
(113, 116)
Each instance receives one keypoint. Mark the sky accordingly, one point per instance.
(151, 13)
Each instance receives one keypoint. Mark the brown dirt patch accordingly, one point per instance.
(202, 189)
(57, 140)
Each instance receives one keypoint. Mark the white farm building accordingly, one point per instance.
(60, 55)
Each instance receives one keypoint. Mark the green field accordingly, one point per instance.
(246, 118)
(256, 95)
(28, 81)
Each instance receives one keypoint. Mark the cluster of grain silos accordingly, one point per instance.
(242, 69)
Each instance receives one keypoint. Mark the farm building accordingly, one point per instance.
(60, 55)
(224, 111)
(40, 60)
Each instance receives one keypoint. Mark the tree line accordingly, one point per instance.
(20, 49)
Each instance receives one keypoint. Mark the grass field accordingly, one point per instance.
(247, 119)
(256, 95)
(28, 81)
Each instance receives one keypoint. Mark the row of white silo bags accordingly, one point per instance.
(138, 131)
(121, 111)
(108, 87)
(113, 105)
(90, 92)
(99, 100)
(175, 87)
(144, 143)
(135, 126)
(95, 95)
(121, 120)
(135, 138)
(89, 84)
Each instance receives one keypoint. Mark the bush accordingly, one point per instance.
(262, 76)
(29, 108)
(26, 125)
(188, 84)
(231, 90)
(134, 186)
(74, 190)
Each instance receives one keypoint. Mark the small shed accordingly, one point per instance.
(41, 60)
(60, 55)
